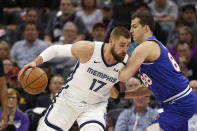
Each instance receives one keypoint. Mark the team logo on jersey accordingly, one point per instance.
(116, 70)
(97, 62)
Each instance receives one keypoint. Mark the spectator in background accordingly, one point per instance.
(19, 119)
(139, 116)
(63, 65)
(12, 11)
(4, 50)
(1, 12)
(108, 20)
(11, 78)
(54, 86)
(31, 16)
(192, 123)
(57, 21)
(90, 13)
(182, 3)
(189, 17)
(3, 97)
(69, 33)
(122, 12)
(99, 32)
(187, 63)
(28, 49)
(7, 65)
(166, 12)
(185, 34)
(174, 34)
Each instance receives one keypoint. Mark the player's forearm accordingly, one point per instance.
(3, 91)
(139, 91)
(124, 75)
(56, 50)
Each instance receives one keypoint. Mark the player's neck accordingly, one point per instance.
(146, 35)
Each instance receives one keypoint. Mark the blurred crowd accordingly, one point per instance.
(28, 27)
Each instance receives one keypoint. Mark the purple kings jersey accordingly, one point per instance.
(163, 76)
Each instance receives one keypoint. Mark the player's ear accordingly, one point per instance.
(147, 28)
(110, 41)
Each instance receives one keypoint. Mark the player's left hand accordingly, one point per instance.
(30, 65)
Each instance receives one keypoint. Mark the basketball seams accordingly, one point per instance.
(29, 74)
(26, 80)
(34, 81)
(41, 77)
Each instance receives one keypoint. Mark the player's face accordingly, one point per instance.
(120, 48)
(137, 30)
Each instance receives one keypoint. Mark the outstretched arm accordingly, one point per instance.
(141, 90)
(81, 49)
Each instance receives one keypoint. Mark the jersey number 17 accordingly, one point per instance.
(99, 87)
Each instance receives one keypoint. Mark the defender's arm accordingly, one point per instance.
(139, 55)
(141, 90)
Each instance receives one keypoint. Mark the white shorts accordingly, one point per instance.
(66, 110)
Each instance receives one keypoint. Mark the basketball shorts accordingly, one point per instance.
(176, 115)
(66, 109)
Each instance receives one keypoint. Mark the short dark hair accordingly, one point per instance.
(84, 7)
(145, 18)
(143, 5)
(120, 31)
(189, 6)
(32, 9)
(31, 23)
(182, 43)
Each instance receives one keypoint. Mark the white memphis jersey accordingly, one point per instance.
(91, 81)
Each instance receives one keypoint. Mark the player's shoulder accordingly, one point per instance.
(148, 45)
(84, 45)
(83, 49)
(149, 42)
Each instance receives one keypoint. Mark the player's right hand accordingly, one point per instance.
(30, 65)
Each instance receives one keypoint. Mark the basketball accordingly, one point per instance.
(34, 80)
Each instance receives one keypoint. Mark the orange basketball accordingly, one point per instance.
(34, 80)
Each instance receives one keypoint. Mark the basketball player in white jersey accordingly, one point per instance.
(84, 97)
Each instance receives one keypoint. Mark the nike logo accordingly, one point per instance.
(97, 62)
